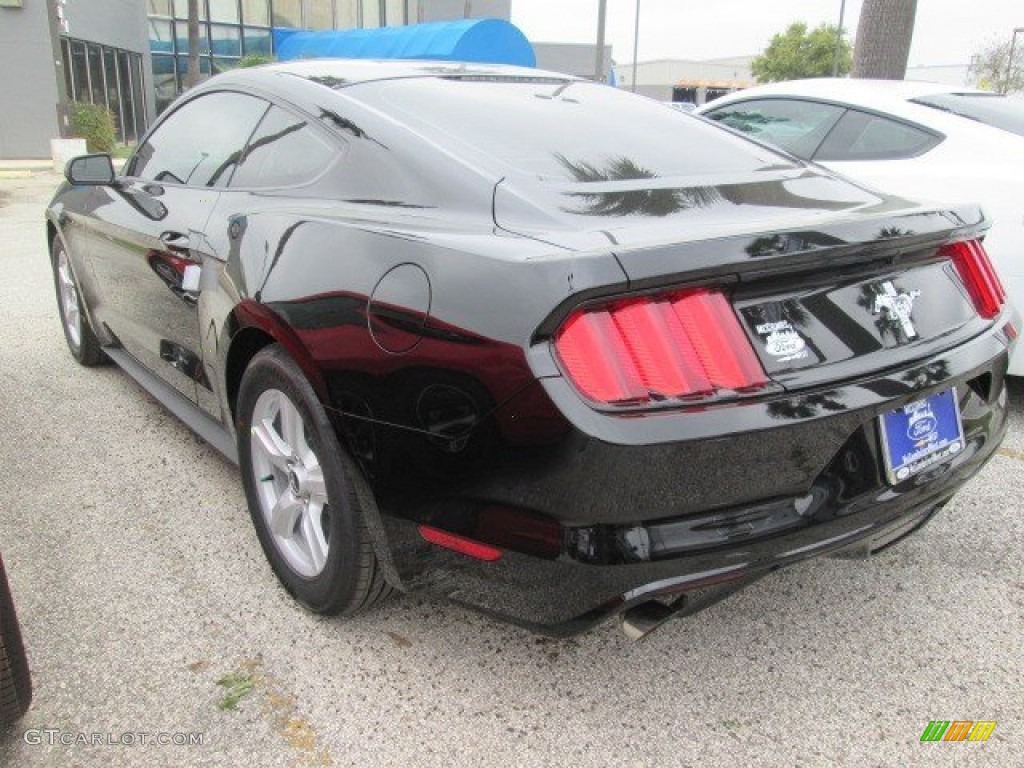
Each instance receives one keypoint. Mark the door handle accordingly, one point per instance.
(175, 241)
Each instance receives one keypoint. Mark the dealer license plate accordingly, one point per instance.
(921, 434)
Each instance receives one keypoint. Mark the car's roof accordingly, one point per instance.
(853, 90)
(339, 73)
(891, 96)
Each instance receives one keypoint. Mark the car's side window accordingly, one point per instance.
(864, 136)
(283, 152)
(200, 144)
(796, 125)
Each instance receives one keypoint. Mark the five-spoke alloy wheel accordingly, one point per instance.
(301, 496)
(82, 342)
(290, 479)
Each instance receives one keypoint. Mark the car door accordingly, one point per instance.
(283, 157)
(149, 241)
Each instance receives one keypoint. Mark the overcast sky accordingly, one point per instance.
(946, 31)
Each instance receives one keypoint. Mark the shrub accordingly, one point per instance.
(254, 60)
(95, 124)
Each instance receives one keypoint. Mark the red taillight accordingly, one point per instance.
(667, 346)
(461, 544)
(978, 275)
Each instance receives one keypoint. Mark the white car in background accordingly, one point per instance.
(920, 140)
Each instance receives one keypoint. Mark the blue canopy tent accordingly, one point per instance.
(491, 41)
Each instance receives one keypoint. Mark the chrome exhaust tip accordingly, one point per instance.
(640, 620)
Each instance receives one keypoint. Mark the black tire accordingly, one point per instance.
(86, 349)
(15, 681)
(351, 580)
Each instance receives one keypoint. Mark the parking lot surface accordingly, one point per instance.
(151, 615)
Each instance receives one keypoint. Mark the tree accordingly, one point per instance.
(797, 53)
(991, 69)
(192, 74)
(883, 39)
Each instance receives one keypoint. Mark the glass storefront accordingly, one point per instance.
(230, 29)
(99, 74)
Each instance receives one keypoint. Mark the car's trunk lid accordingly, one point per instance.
(829, 280)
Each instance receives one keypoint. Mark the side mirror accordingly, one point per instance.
(91, 170)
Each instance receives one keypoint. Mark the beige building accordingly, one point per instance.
(686, 79)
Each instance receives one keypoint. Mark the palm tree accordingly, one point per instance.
(883, 38)
(192, 74)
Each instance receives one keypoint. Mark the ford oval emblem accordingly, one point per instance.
(922, 427)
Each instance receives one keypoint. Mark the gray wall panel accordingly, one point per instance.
(28, 82)
(117, 23)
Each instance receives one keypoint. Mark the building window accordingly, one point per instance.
(108, 76)
(96, 87)
(319, 14)
(370, 14)
(79, 71)
(181, 39)
(65, 55)
(181, 9)
(346, 14)
(287, 13)
(138, 99)
(165, 81)
(224, 10)
(225, 40)
(230, 29)
(257, 41)
(161, 36)
(129, 108)
(113, 89)
(394, 13)
(256, 12)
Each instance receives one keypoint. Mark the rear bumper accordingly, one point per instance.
(640, 516)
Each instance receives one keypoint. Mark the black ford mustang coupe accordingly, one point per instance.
(530, 343)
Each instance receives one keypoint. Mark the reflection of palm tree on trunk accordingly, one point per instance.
(807, 406)
(644, 202)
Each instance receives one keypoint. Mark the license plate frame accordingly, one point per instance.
(920, 434)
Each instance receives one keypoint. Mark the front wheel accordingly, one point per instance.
(302, 502)
(82, 342)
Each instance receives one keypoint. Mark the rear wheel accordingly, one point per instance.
(82, 342)
(302, 502)
(15, 682)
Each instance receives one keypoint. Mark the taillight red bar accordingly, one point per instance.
(667, 346)
(475, 549)
(978, 275)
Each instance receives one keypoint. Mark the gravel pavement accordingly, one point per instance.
(147, 606)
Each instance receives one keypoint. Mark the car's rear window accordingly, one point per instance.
(563, 130)
(989, 108)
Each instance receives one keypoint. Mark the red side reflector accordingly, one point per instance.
(652, 348)
(978, 275)
(459, 544)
